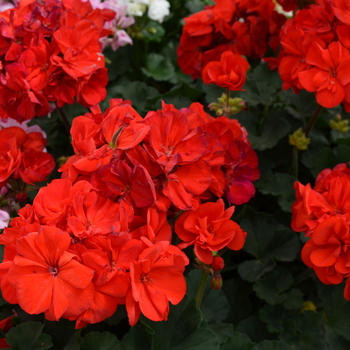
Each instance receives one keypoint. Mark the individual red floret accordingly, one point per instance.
(209, 229)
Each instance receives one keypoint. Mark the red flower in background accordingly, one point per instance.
(229, 72)
(242, 27)
(51, 52)
(323, 213)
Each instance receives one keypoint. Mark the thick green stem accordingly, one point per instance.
(313, 119)
(201, 289)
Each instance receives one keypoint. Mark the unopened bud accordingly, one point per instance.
(338, 124)
(216, 281)
(21, 197)
(223, 99)
(308, 306)
(218, 263)
(234, 110)
(61, 160)
(152, 30)
(213, 106)
(220, 111)
(299, 140)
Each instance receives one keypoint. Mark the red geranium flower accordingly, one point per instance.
(209, 229)
(44, 275)
(229, 73)
(157, 278)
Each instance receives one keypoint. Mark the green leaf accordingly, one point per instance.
(341, 138)
(180, 96)
(139, 337)
(120, 61)
(305, 331)
(214, 306)
(136, 91)
(300, 105)
(238, 341)
(194, 6)
(275, 127)
(223, 331)
(251, 270)
(266, 239)
(336, 341)
(153, 31)
(186, 329)
(261, 86)
(270, 287)
(28, 336)
(342, 154)
(274, 316)
(158, 67)
(212, 91)
(280, 185)
(255, 329)
(100, 341)
(337, 309)
(325, 158)
(63, 333)
(293, 299)
(239, 304)
(273, 345)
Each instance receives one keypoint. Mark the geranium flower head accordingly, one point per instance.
(229, 72)
(209, 229)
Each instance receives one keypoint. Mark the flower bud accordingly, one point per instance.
(219, 112)
(308, 306)
(21, 197)
(216, 281)
(338, 124)
(218, 263)
(299, 140)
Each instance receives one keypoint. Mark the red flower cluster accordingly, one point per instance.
(230, 72)
(50, 51)
(323, 213)
(315, 54)
(106, 220)
(246, 27)
(171, 157)
(78, 255)
(23, 156)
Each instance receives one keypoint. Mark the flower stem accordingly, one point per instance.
(201, 289)
(64, 118)
(295, 162)
(303, 276)
(313, 119)
(227, 110)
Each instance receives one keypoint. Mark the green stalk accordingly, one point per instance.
(227, 111)
(201, 288)
(313, 119)
(295, 162)
(64, 118)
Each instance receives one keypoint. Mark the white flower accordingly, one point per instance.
(135, 9)
(4, 219)
(158, 9)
